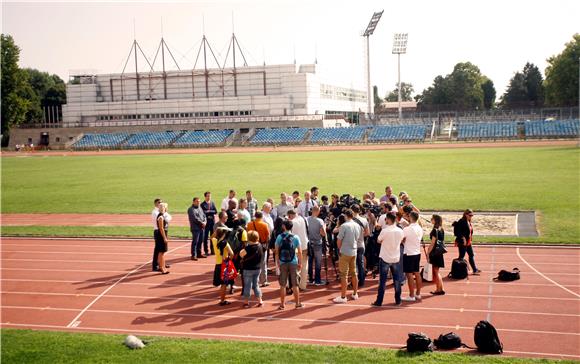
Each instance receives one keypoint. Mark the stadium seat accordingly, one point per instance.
(279, 136)
(101, 141)
(338, 135)
(397, 133)
(203, 137)
(153, 139)
(487, 130)
(552, 129)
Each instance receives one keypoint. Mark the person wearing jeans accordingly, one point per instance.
(252, 256)
(463, 230)
(390, 240)
(197, 222)
(210, 211)
(316, 231)
(360, 247)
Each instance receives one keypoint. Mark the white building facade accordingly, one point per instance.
(150, 98)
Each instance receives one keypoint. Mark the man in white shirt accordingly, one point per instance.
(306, 205)
(154, 215)
(300, 230)
(267, 218)
(282, 209)
(390, 240)
(226, 201)
(360, 244)
(412, 256)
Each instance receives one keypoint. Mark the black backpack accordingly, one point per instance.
(458, 269)
(448, 341)
(486, 339)
(287, 250)
(418, 343)
(234, 238)
(506, 276)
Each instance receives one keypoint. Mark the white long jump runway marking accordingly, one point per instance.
(75, 321)
(544, 276)
(256, 337)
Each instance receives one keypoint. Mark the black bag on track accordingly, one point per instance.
(448, 341)
(486, 338)
(458, 269)
(418, 343)
(507, 276)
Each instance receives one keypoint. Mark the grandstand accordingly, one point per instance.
(398, 133)
(552, 129)
(279, 136)
(487, 130)
(338, 135)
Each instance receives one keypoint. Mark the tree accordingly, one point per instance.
(461, 89)
(14, 105)
(378, 102)
(525, 88)
(406, 92)
(488, 93)
(561, 84)
(47, 90)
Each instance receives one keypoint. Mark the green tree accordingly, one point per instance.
(461, 89)
(406, 92)
(534, 84)
(13, 90)
(525, 88)
(378, 102)
(47, 90)
(561, 84)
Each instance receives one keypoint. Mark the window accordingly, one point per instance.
(57, 139)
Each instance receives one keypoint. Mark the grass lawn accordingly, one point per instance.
(544, 179)
(27, 346)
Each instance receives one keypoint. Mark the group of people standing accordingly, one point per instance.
(299, 232)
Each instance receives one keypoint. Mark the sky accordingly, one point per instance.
(499, 36)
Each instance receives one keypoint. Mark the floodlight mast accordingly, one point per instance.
(399, 47)
(367, 33)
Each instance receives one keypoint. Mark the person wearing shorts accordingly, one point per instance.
(289, 269)
(412, 257)
(348, 234)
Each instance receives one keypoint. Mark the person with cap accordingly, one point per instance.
(197, 222)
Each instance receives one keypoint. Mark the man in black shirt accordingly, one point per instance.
(209, 210)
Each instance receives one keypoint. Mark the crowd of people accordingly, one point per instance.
(377, 236)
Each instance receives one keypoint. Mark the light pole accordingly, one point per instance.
(368, 32)
(400, 47)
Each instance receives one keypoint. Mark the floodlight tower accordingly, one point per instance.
(368, 32)
(400, 47)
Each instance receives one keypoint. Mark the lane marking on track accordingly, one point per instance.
(544, 276)
(113, 286)
(551, 298)
(315, 303)
(80, 253)
(490, 289)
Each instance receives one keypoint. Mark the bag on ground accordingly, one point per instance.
(419, 342)
(448, 341)
(507, 276)
(427, 272)
(458, 269)
(228, 271)
(486, 338)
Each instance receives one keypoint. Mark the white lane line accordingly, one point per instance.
(315, 303)
(490, 289)
(496, 296)
(113, 286)
(256, 337)
(80, 253)
(271, 318)
(544, 276)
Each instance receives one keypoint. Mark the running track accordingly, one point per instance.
(103, 285)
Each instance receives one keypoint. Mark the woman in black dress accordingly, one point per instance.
(436, 260)
(161, 237)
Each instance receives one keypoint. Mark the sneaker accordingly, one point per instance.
(375, 304)
(408, 299)
(340, 299)
(477, 272)
(310, 283)
(319, 283)
(355, 297)
(418, 297)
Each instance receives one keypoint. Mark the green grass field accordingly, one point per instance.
(542, 179)
(26, 346)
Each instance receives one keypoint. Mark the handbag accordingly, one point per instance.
(228, 271)
(439, 248)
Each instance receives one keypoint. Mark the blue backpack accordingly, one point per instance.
(287, 250)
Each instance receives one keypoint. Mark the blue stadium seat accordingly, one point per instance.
(104, 141)
(398, 133)
(153, 139)
(487, 130)
(337, 135)
(554, 129)
(279, 136)
(203, 137)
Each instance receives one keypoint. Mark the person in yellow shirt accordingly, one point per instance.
(223, 251)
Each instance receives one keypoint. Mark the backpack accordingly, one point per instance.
(228, 271)
(458, 269)
(486, 339)
(287, 250)
(419, 342)
(506, 276)
(448, 341)
(455, 225)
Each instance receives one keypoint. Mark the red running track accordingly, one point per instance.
(103, 285)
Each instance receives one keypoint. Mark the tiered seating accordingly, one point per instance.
(556, 128)
(203, 137)
(395, 133)
(89, 141)
(493, 130)
(338, 135)
(279, 136)
(153, 139)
